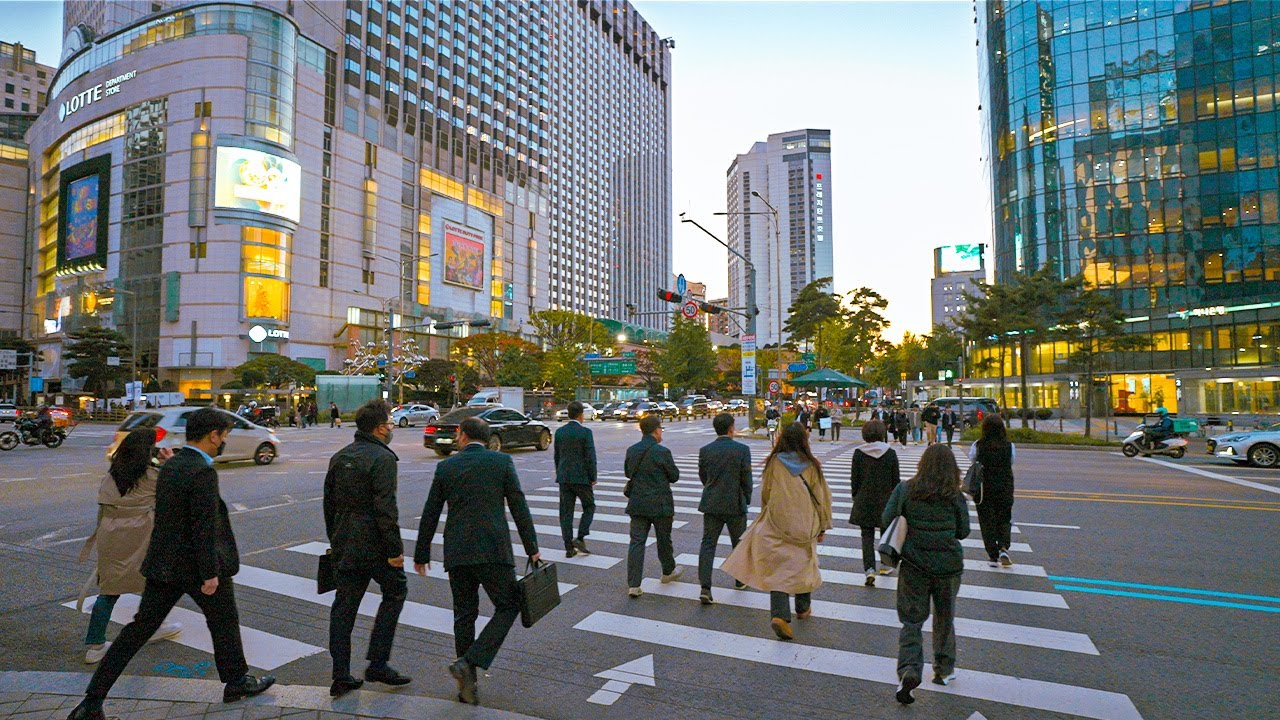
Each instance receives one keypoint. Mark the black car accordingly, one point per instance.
(695, 406)
(511, 428)
(972, 409)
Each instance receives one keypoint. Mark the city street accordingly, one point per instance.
(1142, 589)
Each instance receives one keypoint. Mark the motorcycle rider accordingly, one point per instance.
(1163, 428)
(42, 422)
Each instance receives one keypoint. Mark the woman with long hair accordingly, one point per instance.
(779, 552)
(995, 453)
(932, 563)
(873, 475)
(126, 513)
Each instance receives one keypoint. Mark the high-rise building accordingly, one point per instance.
(341, 166)
(1136, 143)
(721, 323)
(791, 172)
(957, 269)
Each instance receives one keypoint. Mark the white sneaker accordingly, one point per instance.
(635, 592)
(166, 631)
(1005, 560)
(93, 654)
(675, 575)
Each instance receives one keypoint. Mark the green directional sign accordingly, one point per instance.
(629, 354)
(612, 367)
(807, 357)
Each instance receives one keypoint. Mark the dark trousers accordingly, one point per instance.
(712, 525)
(994, 517)
(915, 589)
(869, 548)
(835, 430)
(635, 551)
(499, 582)
(570, 493)
(780, 604)
(346, 605)
(950, 431)
(158, 598)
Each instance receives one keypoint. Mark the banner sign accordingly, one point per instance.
(748, 364)
(463, 256)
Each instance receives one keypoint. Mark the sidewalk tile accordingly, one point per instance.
(37, 703)
(233, 714)
(36, 715)
(13, 697)
(187, 710)
(262, 712)
(9, 708)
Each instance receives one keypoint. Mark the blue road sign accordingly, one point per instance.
(681, 284)
(591, 356)
(797, 367)
(410, 374)
(382, 363)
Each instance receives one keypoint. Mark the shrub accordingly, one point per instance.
(1029, 436)
(1044, 414)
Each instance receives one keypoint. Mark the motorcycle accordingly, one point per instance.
(1136, 444)
(26, 433)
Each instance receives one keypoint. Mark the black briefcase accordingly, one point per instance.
(324, 573)
(539, 592)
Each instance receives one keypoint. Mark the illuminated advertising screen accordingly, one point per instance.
(83, 201)
(959, 258)
(248, 179)
(463, 256)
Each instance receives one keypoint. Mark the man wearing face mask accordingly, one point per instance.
(192, 552)
(363, 525)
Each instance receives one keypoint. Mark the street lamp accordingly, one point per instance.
(133, 309)
(622, 337)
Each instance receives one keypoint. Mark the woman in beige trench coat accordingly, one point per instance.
(779, 552)
(126, 513)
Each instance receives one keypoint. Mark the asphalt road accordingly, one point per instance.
(1143, 589)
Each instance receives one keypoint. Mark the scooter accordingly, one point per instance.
(1135, 444)
(27, 434)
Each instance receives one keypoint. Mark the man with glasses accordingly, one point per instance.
(363, 525)
(650, 472)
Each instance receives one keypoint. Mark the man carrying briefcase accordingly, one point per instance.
(477, 546)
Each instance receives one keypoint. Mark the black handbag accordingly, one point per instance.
(626, 487)
(973, 482)
(325, 580)
(539, 592)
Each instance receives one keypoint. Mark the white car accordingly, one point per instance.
(588, 413)
(8, 412)
(406, 415)
(1256, 447)
(247, 441)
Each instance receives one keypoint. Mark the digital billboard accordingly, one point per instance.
(248, 179)
(84, 198)
(463, 256)
(959, 258)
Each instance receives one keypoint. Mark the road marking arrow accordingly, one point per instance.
(977, 716)
(622, 677)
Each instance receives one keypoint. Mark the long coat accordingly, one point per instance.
(779, 552)
(123, 534)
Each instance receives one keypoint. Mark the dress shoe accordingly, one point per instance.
(342, 686)
(782, 629)
(465, 673)
(570, 551)
(908, 683)
(83, 711)
(386, 675)
(581, 545)
(247, 686)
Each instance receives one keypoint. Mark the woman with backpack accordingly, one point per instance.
(995, 510)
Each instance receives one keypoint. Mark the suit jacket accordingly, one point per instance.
(361, 518)
(575, 455)
(724, 467)
(651, 472)
(474, 484)
(191, 541)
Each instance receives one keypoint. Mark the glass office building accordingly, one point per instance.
(1136, 143)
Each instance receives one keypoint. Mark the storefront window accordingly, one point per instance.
(266, 298)
(265, 263)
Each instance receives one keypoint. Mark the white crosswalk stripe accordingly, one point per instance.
(592, 560)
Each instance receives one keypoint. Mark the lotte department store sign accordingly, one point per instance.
(106, 88)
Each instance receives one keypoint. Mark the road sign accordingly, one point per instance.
(681, 284)
(612, 367)
(807, 357)
(382, 363)
(775, 387)
(748, 364)
(689, 309)
(775, 374)
(35, 384)
(798, 367)
(8, 359)
(113, 361)
(410, 374)
(591, 356)
(629, 354)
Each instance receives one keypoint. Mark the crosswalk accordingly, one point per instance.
(988, 598)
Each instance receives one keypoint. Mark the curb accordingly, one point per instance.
(294, 697)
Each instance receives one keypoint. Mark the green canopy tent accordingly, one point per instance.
(826, 377)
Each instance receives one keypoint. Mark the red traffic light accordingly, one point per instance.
(671, 297)
(709, 309)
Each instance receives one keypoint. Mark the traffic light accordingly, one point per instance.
(671, 297)
(382, 376)
(709, 309)
(453, 378)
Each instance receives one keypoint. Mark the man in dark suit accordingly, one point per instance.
(477, 546)
(724, 467)
(650, 472)
(950, 420)
(575, 457)
(192, 552)
(362, 523)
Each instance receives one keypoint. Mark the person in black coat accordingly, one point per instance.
(874, 474)
(950, 419)
(474, 484)
(902, 424)
(994, 451)
(192, 552)
(650, 472)
(930, 416)
(575, 458)
(362, 523)
(724, 467)
(818, 416)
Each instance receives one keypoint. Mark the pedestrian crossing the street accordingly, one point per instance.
(987, 603)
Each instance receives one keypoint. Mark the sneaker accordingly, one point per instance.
(581, 546)
(994, 562)
(634, 592)
(1005, 560)
(871, 578)
(166, 631)
(93, 654)
(705, 597)
(886, 569)
(905, 686)
(739, 585)
(945, 679)
(673, 576)
(782, 629)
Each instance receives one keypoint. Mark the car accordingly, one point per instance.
(695, 406)
(1260, 448)
(588, 413)
(8, 412)
(247, 441)
(511, 428)
(971, 409)
(736, 406)
(620, 411)
(668, 409)
(406, 415)
(715, 405)
(639, 409)
(605, 411)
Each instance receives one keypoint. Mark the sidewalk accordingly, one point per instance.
(46, 695)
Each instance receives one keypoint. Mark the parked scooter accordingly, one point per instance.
(1136, 444)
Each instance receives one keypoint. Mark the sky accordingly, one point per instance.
(895, 82)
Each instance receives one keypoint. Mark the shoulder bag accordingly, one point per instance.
(325, 580)
(973, 482)
(539, 592)
(894, 537)
(626, 487)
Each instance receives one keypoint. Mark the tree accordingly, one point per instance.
(87, 357)
(984, 321)
(565, 336)
(813, 306)
(486, 352)
(690, 361)
(1036, 302)
(275, 371)
(647, 359)
(1094, 324)
(520, 367)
